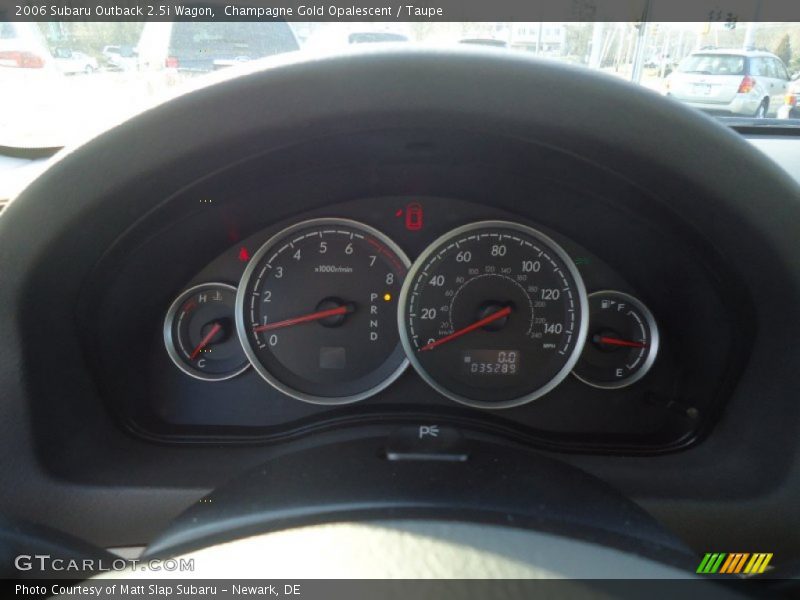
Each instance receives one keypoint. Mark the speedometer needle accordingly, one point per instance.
(503, 312)
(204, 342)
(315, 316)
(618, 342)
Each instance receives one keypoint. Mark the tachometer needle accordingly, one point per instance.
(204, 342)
(315, 316)
(618, 342)
(503, 312)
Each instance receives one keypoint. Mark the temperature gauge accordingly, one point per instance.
(200, 333)
(622, 343)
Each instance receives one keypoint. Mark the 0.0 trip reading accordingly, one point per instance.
(491, 362)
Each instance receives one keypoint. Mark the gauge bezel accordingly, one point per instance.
(241, 297)
(169, 341)
(652, 350)
(583, 311)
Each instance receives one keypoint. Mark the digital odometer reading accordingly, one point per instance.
(317, 307)
(491, 362)
(485, 290)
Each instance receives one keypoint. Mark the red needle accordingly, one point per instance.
(204, 342)
(503, 312)
(315, 316)
(617, 342)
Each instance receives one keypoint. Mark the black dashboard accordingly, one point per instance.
(414, 187)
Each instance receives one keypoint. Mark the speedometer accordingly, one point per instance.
(493, 314)
(316, 311)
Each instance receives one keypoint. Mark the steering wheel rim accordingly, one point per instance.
(498, 484)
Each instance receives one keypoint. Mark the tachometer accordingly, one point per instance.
(316, 311)
(493, 314)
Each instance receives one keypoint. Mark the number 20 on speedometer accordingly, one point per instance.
(493, 314)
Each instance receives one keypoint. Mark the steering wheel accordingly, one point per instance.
(350, 500)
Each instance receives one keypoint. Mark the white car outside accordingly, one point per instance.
(71, 61)
(730, 82)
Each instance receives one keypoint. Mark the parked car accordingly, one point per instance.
(733, 82)
(71, 61)
(192, 47)
(22, 46)
(27, 69)
(108, 52)
(29, 80)
(790, 109)
(119, 58)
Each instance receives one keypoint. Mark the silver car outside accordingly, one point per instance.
(733, 82)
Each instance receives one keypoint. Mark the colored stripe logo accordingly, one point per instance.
(734, 563)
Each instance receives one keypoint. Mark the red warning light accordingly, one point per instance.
(244, 254)
(414, 216)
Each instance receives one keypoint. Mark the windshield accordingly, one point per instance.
(65, 81)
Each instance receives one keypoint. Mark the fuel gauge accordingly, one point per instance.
(622, 343)
(200, 333)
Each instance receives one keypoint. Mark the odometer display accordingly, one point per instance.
(491, 362)
(317, 307)
(493, 314)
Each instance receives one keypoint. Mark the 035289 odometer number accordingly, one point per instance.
(493, 314)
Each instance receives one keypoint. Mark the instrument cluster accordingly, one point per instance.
(399, 309)
(492, 314)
